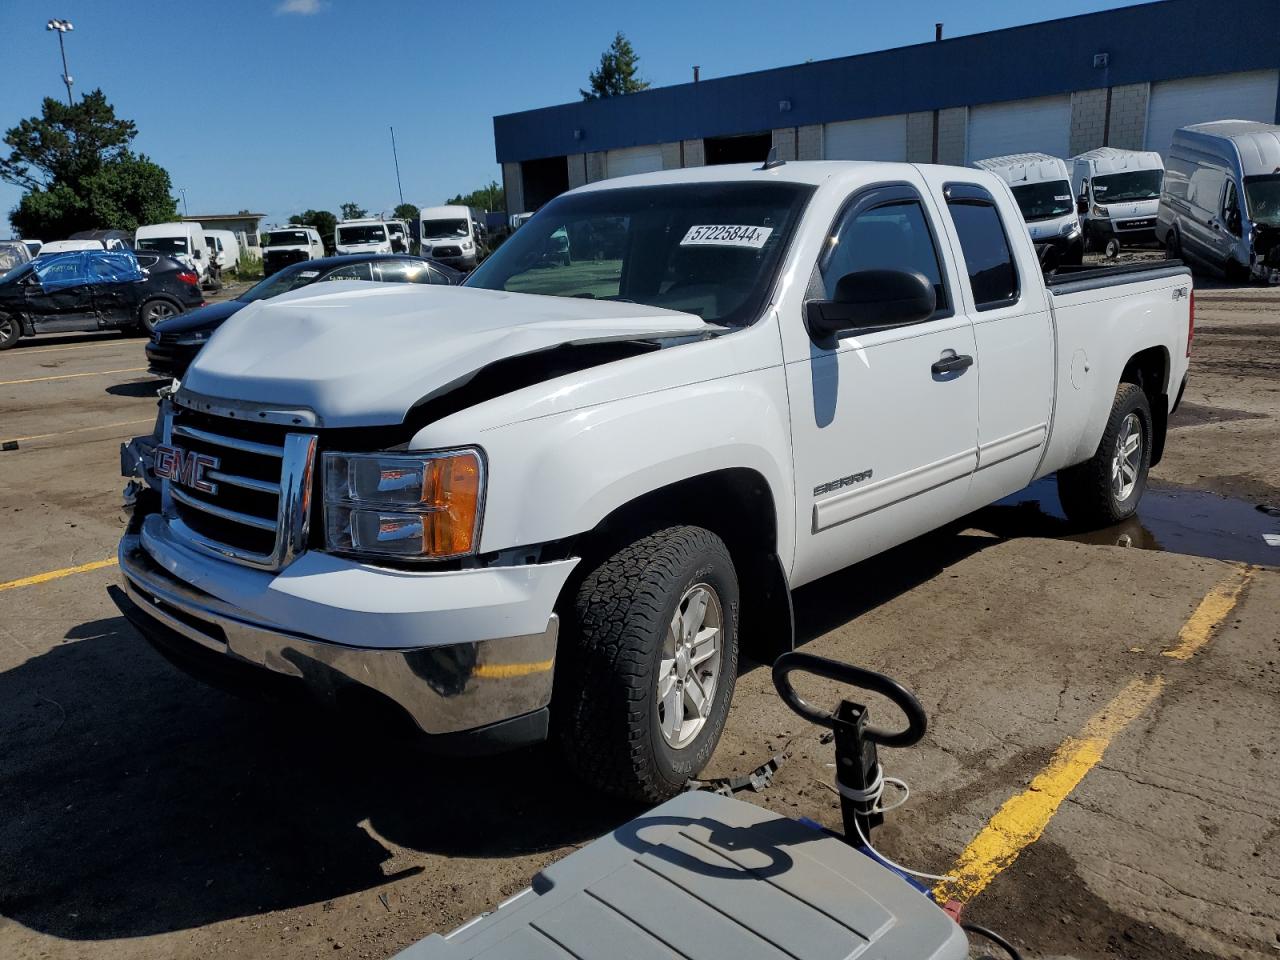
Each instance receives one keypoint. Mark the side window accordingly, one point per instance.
(894, 235)
(1231, 207)
(987, 255)
(351, 271)
(401, 271)
(62, 270)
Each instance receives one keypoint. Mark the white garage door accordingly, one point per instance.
(623, 163)
(874, 138)
(1038, 125)
(1231, 96)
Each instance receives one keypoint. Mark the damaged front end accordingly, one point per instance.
(137, 465)
(1265, 260)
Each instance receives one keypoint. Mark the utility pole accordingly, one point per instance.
(183, 193)
(62, 27)
(396, 158)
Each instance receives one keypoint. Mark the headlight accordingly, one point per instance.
(193, 339)
(416, 506)
(1099, 211)
(1070, 229)
(466, 244)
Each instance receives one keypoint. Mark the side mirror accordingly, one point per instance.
(871, 299)
(1082, 204)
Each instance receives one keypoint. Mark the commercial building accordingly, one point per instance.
(1123, 78)
(243, 225)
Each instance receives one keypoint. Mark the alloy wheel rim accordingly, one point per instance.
(1127, 459)
(689, 668)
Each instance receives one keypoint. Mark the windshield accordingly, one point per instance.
(290, 278)
(163, 244)
(15, 273)
(1262, 199)
(11, 255)
(442, 229)
(286, 238)
(1128, 186)
(1043, 201)
(710, 249)
(368, 233)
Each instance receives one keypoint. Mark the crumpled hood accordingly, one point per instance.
(358, 353)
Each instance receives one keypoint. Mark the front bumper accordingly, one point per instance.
(1100, 231)
(491, 693)
(169, 360)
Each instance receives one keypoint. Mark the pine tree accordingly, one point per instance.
(617, 73)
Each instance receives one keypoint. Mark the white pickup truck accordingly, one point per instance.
(559, 500)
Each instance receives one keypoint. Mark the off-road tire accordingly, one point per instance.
(1085, 490)
(10, 331)
(605, 708)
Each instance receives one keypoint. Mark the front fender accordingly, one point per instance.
(560, 475)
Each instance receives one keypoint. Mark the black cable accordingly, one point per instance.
(994, 937)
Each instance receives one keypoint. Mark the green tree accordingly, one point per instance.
(405, 211)
(489, 197)
(617, 72)
(77, 169)
(324, 222)
(353, 211)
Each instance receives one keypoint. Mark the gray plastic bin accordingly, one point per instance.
(708, 878)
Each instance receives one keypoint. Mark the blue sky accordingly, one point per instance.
(285, 104)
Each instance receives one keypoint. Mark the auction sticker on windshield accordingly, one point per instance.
(726, 235)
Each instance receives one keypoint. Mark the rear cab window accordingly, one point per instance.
(984, 242)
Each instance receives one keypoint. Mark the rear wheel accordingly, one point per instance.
(648, 664)
(1107, 487)
(10, 332)
(1172, 246)
(152, 312)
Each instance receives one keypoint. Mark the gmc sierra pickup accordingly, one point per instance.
(559, 500)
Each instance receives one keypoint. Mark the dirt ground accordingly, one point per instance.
(145, 816)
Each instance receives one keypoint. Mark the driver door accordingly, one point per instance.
(62, 296)
(884, 421)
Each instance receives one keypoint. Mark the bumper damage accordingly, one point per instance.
(487, 695)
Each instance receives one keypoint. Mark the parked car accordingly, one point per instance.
(511, 514)
(110, 239)
(183, 241)
(13, 253)
(1220, 209)
(176, 342)
(362, 236)
(70, 246)
(292, 243)
(450, 235)
(1041, 186)
(93, 290)
(1117, 195)
(34, 246)
(224, 247)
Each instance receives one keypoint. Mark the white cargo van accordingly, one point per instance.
(184, 242)
(1118, 195)
(449, 234)
(1220, 209)
(362, 236)
(225, 247)
(1042, 188)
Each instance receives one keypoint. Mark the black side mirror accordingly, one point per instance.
(871, 299)
(1082, 204)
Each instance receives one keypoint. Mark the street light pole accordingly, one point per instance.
(62, 27)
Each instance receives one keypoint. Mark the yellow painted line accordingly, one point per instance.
(507, 671)
(1209, 615)
(1022, 819)
(56, 574)
(63, 433)
(20, 352)
(71, 376)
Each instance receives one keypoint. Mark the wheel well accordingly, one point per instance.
(1149, 369)
(737, 505)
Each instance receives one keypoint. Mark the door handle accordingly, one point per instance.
(952, 364)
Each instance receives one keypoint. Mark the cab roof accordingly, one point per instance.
(1018, 168)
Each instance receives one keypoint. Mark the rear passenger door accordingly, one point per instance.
(885, 437)
(1004, 297)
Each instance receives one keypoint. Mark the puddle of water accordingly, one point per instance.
(1177, 520)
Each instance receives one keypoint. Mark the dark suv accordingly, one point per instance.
(176, 342)
(93, 290)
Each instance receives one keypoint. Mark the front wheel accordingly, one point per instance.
(648, 664)
(10, 332)
(1107, 487)
(153, 312)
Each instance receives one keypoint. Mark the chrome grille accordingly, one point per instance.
(256, 509)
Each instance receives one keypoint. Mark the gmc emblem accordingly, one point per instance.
(186, 468)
